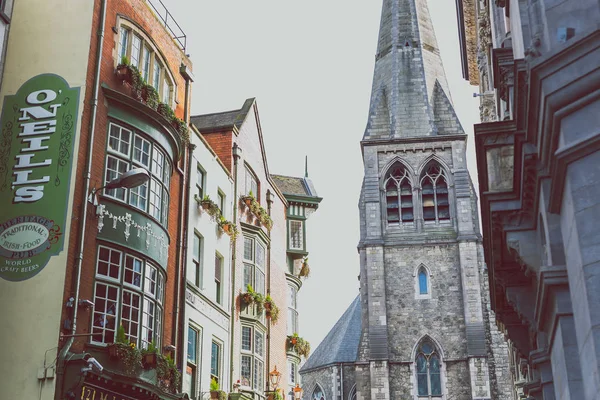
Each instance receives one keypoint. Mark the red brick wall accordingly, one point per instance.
(221, 143)
(139, 13)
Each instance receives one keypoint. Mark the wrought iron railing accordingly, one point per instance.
(169, 22)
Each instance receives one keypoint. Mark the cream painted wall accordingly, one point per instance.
(45, 37)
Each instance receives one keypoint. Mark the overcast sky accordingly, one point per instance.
(310, 66)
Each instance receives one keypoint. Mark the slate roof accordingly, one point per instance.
(294, 186)
(222, 120)
(341, 343)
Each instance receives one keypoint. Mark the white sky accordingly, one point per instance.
(310, 65)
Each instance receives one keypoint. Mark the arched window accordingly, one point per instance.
(428, 367)
(352, 395)
(434, 199)
(318, 393)
(423, 281)
(398, 192)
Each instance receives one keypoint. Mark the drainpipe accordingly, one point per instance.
(61, 363)
(236, 155)
(269, 203)
(183, 229)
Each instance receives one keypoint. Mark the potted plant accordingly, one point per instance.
(122, 69)
(214, 389)
(150, 96)
(167, 374)
(266, 221)
(126, 352)
(206, 202)
(298, 345)
(166, 111)
(252, 297)
(272, 311)
(305, 270)
(150, 356)
(182, 128)
(247, 199)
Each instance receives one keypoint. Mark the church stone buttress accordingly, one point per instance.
(422, 299)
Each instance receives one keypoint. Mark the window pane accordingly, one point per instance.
(133, 271)
(260, 256)
(109, 263)
(218, 277)
(200, 182)
(141, 151)
(215, 360)
(221, 202)
(105, 313)
(123, 41)
(158, 330)
(246, 370)
(293, 296)
(248, 249)
(119, 139)
(160, 288)
(192, 343)
(115, 167)
(165, 207)
(248, 276)
(138, 196)
(150, 284)
(136, 46)
(130, 315)
(259, 282)
(146, 61)
(259, 343)
(166, 95)
(434, 376)
(158, 163)
(258, 375)
(148, 323)
(155, 199)
(246, 338)
(296, 235)
(156, 79)
(292, 368)
(422, 282)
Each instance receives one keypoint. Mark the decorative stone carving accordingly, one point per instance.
(487, 107)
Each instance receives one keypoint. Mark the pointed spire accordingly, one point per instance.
(408, 68)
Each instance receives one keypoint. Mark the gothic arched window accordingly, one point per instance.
(318, 393)
(398, 194)
(428, 366)
(423, 281)
(352, 395)
(434, 198)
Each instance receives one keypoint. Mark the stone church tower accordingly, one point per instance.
(421, 327)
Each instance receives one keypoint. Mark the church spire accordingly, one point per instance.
(410, 96)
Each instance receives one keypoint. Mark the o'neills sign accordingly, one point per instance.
(36, 156)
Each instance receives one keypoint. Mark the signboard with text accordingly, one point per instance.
(37, 139)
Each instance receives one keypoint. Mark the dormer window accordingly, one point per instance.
(139, 50)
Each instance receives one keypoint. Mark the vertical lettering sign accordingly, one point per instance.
(36, 155)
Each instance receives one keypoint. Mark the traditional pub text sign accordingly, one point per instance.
(36, 156)
(90, 392)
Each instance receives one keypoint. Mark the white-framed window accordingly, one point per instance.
(252, 367)
(221, 201)
(292, 323)
(122, 297)
(196, 272)
(216, 359)
(296, 233)
(194, 350)
(219, 278)
(254, 264)
(139, 49)
(127, 149)
(251, 183)
(200, 181)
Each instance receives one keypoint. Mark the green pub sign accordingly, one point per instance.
(36, 155)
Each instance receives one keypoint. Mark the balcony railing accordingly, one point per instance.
(169, 22)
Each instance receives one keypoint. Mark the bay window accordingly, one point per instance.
(252, 358)
(129, 292)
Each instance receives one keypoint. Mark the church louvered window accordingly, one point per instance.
(398, 192)
(435, 194)
(428, 366)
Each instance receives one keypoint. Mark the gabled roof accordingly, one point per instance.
(341, 343)
(222, 120)
(294, 185)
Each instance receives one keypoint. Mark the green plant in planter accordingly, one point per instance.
(216, 392)
(150, 356)
(305, 270)
(252, 297)
(266, 221)
(127, 352)
(182, 128)
(169, 377)
(150, 96)
(298, 345)
(166, 111)
(271, 308)
(227, 226)
(277, 395)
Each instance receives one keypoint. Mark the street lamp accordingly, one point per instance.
(274, 377)
(298, 392)
(130, 179)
